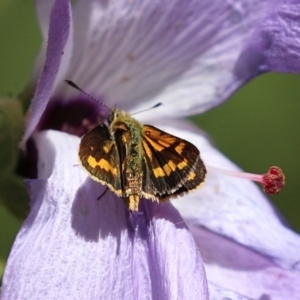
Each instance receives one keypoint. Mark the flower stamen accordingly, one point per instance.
(273, 181)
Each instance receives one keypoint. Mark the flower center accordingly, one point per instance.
(76, 116)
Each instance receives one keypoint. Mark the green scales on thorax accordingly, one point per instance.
(128, 135)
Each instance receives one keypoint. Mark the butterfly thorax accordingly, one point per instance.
(127, 132)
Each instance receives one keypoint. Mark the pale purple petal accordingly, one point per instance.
(275, 45)
(238, 211)
(217, 293)
(235, 207)
(237, 268)
(73, 246)
(59, 32)
(43, 10)
(181, 53)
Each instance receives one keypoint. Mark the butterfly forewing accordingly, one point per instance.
(98, 154)
(174, 164)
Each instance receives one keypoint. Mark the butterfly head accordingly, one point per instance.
(115, 114)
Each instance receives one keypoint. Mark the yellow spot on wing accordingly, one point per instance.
(166, 142)
(180, 147)
(158, 172)
(168, 139)
(155, 145)
(162, 137)
(182, 165)
(172, 165)
(169, 167)
(102, 163)
(191, 176)
(147, 150)
(107, 147)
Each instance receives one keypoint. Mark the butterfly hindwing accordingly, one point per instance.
(98, 154)
(173, 164)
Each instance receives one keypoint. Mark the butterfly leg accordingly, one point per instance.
(102, 193)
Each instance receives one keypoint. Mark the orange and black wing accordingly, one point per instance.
(98, 154)
(172, 166)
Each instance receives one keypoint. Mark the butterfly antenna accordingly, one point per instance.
(75, 86)
(154, 106)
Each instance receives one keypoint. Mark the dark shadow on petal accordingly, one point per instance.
(265, 297)
(36, 189)
(158, 219)
(140, 221)
(28, 161)
(295, 266)
(138, 224)
(251, 61)
(95, 219)
(163, 210)
(227, 253)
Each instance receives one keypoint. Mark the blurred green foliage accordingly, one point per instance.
(20, 41)
(13, 194)
(257, 128)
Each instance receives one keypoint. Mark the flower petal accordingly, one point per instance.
(74, 247)
(59, 31)
(43, 10)
(217, 293)
(246, 272)
(181, 53)
(275, 45)
(235, 207)
(237, 210)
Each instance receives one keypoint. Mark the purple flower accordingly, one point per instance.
(190, 55)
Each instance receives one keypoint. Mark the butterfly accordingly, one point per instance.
(140, 161)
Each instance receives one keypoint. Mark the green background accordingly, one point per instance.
(257, 128)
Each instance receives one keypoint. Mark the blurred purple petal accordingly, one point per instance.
(181, 53)
(74, 247)
(43, 11)
(275, 45)
(59, 31)
(189, 55)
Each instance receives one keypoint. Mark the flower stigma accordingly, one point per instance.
(273, 181)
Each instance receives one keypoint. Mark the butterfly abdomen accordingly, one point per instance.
(128, 132)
